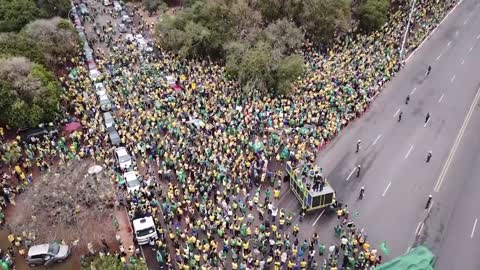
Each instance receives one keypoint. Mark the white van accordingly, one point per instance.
(107, 2)
(144, 229)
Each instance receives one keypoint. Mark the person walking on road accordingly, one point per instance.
(429, 201)
(427, 117)
(362, 192)
(429, 156)
(400, 116)
(358, 170)
(407, 99)
(358, 146)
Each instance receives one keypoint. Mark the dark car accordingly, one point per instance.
(27, 134)
(114, 136)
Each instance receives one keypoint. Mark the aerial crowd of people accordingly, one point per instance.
(215, 156)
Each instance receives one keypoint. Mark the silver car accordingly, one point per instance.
(47, 254)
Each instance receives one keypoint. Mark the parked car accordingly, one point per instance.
(126, 19)
(109, 120)
(113, 135)
(47, 254)
(123, 158)
(27, 134)
(131, 181)
(122, 28)
(105, 103)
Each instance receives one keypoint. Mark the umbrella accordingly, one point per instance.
(71, 127)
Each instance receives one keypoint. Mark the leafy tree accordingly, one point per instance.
(52, 8)
(14, 14)
(323, 18)
(153, 5)
(284, 36)
(18, 44)
(373, 14)
(29, 93)
(110, 262)
(56, 38)
(273, 10)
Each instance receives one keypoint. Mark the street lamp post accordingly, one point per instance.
(402, 50)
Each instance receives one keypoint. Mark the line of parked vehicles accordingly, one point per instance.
(144, 227)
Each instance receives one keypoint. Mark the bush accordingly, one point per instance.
(56, 38)
(373, 14)
(29, 93)
(15, 14)
(13, 44)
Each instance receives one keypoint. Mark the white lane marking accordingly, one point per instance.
(470, 50)
(408, 153)
(463, 61)
(376, 140)
(438, 57)
(473, 229)
(452, 79)
(478, 37)
(456, 33)
(440, 100)
(430, 207)
(426, 123)
(385, 192)
(413, 91)
(441, 177)
(449, 43)
(396, 113)
(433, 31)
(350, 175)
(318, 217)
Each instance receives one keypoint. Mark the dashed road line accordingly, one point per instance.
(470, 50)
(395, 114)
(350, 175)
(413, 91)
(478, 37)
(449, 43)
(319, 216)
(440, 99)
(473, 229)
(463, 62)
(409, 151)
(376, 140)
(452, 79)
(441, 177)
(426, 123)
(440, 55)
(386, 189)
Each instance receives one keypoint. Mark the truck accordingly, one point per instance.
(144, 229)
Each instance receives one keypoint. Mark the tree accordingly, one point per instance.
(322, 19)
(52, 8)
(56, 38)
(273, 10)
(153, 5)
(30, 94)
(14, 14)
(373, 14)
(110, 262)
(284, 36)
(18, 44)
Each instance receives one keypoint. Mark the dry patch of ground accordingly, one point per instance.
(67, 204)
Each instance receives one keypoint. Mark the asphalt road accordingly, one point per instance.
(393, 154)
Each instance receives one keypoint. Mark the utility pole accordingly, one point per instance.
(402, 49)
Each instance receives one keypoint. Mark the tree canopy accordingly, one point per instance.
(29, 93)
(55, 37)
(373, 14)
(15, 14)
